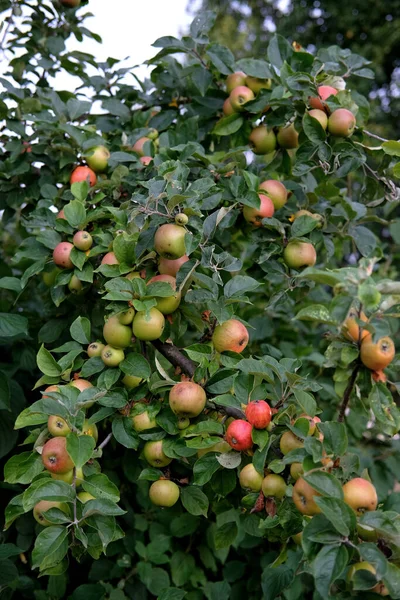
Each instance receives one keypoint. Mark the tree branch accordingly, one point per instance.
(347, 392)
(177, 359)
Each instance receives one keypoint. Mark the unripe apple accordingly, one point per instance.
(256, 215)
(342, 123)
(231, 335)
(262, 140)
(70, 3)
(276, 191)
(171, 267)
(303, 497)
(55, 456)
(288, 137)
(289, 442)
(69, 477)
(83, 174)
(126, 317)
(130, 381)
(250, 478)
(181, 219)
(109, 259)
(116, 334)
(312, 421)
(258, 413)
(379, 588)
(61, 255)
(49, 277)
(256, 84)
(306, 213)
(41, 507)
(367, 533)
(97, 158)
(351, 329)
(85, 497)
(111, 357)
(320, 115)
(146, 160)
(238, 435)
(138, 146)
(164, 493)
(57, 426)
(324, 91)
(95, 349)
(75, 285)
(360, 495)
(273, 486)
(91, 430)
(153, 453)
(148, 325)
(169, 304)
(169, 241)
(82, 240)
(299, 254)
(227, 108)
(183, 423)
(187, 399)
(296, 470)
(377, 356)
(239, 97)
(142, 421)
(81, 384)
(235, 80)
(297, 538)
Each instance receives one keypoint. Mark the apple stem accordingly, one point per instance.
(105, 441)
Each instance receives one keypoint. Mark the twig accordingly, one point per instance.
(347, 392)
(7, 28)
(105, 441)
(373, 135)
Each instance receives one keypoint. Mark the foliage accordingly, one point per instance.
(217, 541)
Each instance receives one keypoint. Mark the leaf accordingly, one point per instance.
(194, 500)
(325, 483)
(135, 365)
(228, 125)
(172, 594)
(306, 401)
(229, 460)
(315, 312)
(12, 325)
(102, 506)
(225, 535)
(274, 580)
(364, 239)
(10, 283)
(47, 489)
(204, 468)
(240, 284)
(201, 25)
(47, 363)
(222, 58)
(255, 67)
(74, 211)
(339, 514)
(335, 437)
(23, 468)
(80, 448)
(51, 546)
(279, 50)
(4, 392)
(124, 433)
(391, 147)
(101, 487)
(260, 437)
(327, 567)
(80, 330)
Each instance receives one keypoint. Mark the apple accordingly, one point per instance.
(75, 285)
(148, 325)
(142, 421)
(221, 447)
(360, 495)
(367, 533)
(169, 304)
(238, 435)
(97, 158)
(312, 421)
(379, 588)
(183, 423)
(153, 453)
(256, 84)
(235, 80)
(273, 486)
(169, 241)
(138, 146)
(95, 349)
(239, 97)
(181, 219)
(83, 174)
(90, 429)
(61, 214)
(262, 140)
(55, 456)
(227, 108)
(377, 356)
(81, 384)
(41, 507)
(324, 92)
(171, 267)
(69, 476)
(116, 334)
(146, 160)
(303, 497)
(256, 215)
(49, 277)
(126, 317)
(131, 381)
(85, 497)
(296, 470)
(50, 388)
(299, 254)
(288, 137)
(57, 426)
(250, 478)
(320, 115)
(82, 240)
(351, 329)
(342, 123)
(297, 538)
(61, 255)
(307, 213)
(164, 493)
(187, 399)
(289, 442)
(231, 335)
(111, 357)
(258, 413)
(109, 259)
(276, 191)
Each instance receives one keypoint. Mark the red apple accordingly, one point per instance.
(83, 174)
(256, 215)
(55, 456)
(231, 335)
(258, 413)
(276, 191)
(324, 92)
(61, 255)
(238, 435)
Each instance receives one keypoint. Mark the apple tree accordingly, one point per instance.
(199, 311)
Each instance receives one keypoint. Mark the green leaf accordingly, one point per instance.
(274, 580)
(303, 225)
(47, 363)
(47, 489)
(228, 125)
(325, 483)
(80, 330)
(328, 565)
(260, 437)
(136, 365)
(240, 284)
(306, 401)
(204, 468)
(10, 283)
(51, 546)
(315, 312)
(222, 58)
(75, 212)
(124, 433)
(194, 501)
(102, 506)
(101, 487)
(392, 148)
(12, 325)
(172, 594)
(313, 129)
(279, 51)
(225, 535)
(339, 514)
(255, 67)
(23, 468)
(335, 437)
(80, 448)
(4, 392)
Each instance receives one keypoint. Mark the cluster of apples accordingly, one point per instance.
(143, 146)
(341, 122)
(376, 356)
